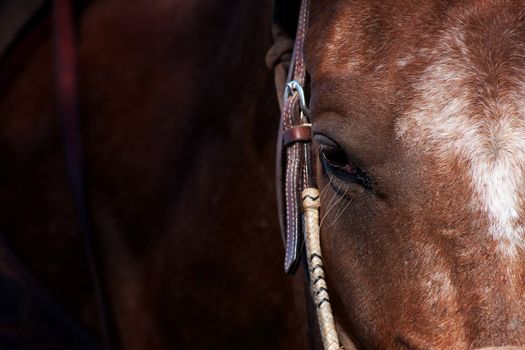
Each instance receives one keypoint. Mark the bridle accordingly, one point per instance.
(297, 194)
(298, 197)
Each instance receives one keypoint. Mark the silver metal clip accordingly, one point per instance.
(293, 87)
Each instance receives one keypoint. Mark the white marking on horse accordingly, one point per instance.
(451, 120)
(404, 61)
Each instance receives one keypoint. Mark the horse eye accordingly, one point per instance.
(336, 162)
(336, 158)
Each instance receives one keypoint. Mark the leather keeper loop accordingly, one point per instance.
(299, 133)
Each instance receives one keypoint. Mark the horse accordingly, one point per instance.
(416, 112)
(417, 143)
(178, 120)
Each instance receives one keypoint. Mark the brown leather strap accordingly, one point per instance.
(300, 133)
(294, 174)
(293, 158)
(67, 96)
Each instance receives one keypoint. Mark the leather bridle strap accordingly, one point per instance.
(67, 96)
(293, 150)
(298, 197)
(301, 197)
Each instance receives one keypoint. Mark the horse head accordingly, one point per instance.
(418, 123)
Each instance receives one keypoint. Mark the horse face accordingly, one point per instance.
(419, 123)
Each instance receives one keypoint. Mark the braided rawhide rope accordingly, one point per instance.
(318, 288)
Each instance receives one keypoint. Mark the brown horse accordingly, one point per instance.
(418, 119)
(179, 117)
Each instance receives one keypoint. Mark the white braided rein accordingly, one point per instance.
(318, 288)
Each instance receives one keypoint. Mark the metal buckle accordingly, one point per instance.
(293, 87)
